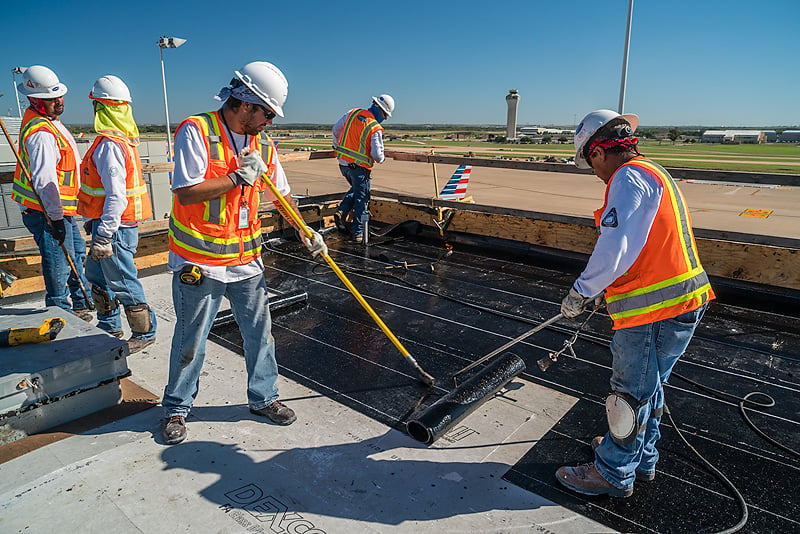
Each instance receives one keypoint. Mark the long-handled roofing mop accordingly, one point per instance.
(427, 379)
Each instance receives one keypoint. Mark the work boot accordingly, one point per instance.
(118, 334)
(641, 476)
(358, 239)
(174, 430)
(278, 412)
(586, 480)
(338, 219)
(84, 313)
(135, 344)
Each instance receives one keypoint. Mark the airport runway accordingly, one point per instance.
(713, 206)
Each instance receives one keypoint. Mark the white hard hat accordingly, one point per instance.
(110, 87)
(41, 82)
(385, 102)
(589, 126)
(267, 82)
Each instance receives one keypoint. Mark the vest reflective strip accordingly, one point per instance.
(670, 292)
(215, 247)
(361, 155)
(214, 141)
(68, 178)
(215, 210)
(679, 207)
(23, 189)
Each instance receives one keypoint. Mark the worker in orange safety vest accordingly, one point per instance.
(114, 199)
(50, 155)
(222, 160)
(358, 143)
(645, 263)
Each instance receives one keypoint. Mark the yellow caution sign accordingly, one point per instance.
(758, 214)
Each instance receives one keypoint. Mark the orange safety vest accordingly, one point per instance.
(208, 232)
(667, 278)
(353, 144)
(22, 190)
(92, 196)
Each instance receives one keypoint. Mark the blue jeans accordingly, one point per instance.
(195, 310)
(61, 284)
(357, 197)
(643, 358)
(118, 276)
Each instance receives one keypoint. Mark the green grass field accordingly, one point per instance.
(783, 158)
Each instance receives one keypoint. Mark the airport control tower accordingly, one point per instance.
(512, 98)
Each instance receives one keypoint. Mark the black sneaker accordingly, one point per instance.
(278, 413)
(174, 430)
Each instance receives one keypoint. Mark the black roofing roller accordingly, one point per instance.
(430, 425)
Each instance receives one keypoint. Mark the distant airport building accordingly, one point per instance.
(752, 137)
(538, 132)
(512, 99)
(790, 136)
(772, 136)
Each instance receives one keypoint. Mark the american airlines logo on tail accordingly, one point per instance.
(456, 187)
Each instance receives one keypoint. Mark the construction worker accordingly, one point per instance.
(358, 143)
(221, 160)
(645, 261)
(49, 153)
(113, 197)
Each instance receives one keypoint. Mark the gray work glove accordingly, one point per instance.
(574, 304)
(101, 248)
(316, 246)
(251, 167)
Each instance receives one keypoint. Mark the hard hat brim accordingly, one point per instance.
(27, 91)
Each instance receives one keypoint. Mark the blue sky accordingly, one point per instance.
(701, 62)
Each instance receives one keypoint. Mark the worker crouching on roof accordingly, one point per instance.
(50, 154)
(358, 143)
(221, 160)
(656, 291)
(113, 197)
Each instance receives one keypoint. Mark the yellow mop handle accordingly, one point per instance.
(307, 232)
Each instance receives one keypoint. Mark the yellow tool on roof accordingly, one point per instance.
(47, 331)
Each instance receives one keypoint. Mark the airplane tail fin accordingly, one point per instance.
(456, 187)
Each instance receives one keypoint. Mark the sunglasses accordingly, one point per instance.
(268, 113)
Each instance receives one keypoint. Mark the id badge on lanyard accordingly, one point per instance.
(244, 215)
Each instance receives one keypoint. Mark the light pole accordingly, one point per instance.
(14, 72)
(625, 59)
(167, 42)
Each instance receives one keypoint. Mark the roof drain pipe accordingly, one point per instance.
(435, 421)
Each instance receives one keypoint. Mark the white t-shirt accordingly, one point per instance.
(191, 163)
(375, 142)
(43, 156)
(109, 159)
(633, 199)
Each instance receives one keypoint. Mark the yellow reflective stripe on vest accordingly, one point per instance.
(215, 209)
(661, 295)
(360, 155)
(211, 131)
(679, 207)
(214, 247)
(20, 192)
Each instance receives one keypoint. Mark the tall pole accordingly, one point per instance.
(14, 72)
(625, 59)
(166, 106)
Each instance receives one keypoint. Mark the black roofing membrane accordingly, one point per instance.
(332, 346)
